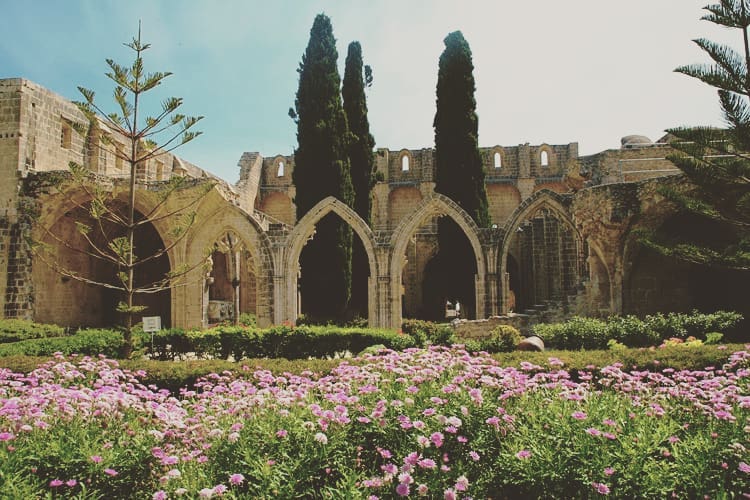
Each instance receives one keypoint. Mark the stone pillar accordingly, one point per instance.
(492, 304)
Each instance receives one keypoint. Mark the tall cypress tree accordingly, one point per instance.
(458, 165)
(321, 170)
(458, 175)
(361, 145)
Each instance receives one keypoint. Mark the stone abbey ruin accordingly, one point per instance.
(563, 236)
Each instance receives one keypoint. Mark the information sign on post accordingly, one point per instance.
(151, 323)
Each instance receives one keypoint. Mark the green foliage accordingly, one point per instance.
(428, 332)
(715, 160)
(713, 338)
(247, 320)
(14, 330)
(459, 174)
(106, 218)
(321, 170)
(223, 342)
(503, 338)
(362, 161)
(592, 333)
(458, 164)
(576, 333)
(90, 342)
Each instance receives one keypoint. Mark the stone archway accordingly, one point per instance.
(434, 205)
(296, 240)
(58, 296)
(251, 238)
(554, 270)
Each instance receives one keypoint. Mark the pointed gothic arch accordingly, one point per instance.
(434, 205)
(252, 237)
(304, 229)
(542, 200)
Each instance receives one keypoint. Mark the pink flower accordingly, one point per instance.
(474, 455)
(6, 436)
(159, 495)
(579, 415)
(71, 483)
(744, 468)
(422, 489)
(111, 472)
(321, 438)
(462, 483)
(600, 488)
(449, 494)
(427, 463)
(609, 471)
(55, 483)
(220, 489)
(206, 493)
(236, 479)
(281, 433)
(437, 439)
(96, 459)
(673, 439)
(523, 454)
(402, 490)
(593, 431)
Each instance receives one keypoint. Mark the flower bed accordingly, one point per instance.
(437, 422)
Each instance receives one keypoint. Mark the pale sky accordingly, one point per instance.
(586, 71)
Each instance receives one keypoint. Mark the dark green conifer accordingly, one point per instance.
(361, 145)
(321, 170)
(458, 175)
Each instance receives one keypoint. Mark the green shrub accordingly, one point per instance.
(576, 333)
(713, 338)
(89, 342)
(15, 330)
(631, 331)
(247, 320)
(428, 332)
(223, 342)
(591, 333)
(694, 324)
(504, 338)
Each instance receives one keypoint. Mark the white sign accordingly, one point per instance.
(151, 323)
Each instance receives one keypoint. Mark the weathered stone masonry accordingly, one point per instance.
(561, 234)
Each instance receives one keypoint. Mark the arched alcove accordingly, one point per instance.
(548, 247)
(436, 205)
(326, 210)
(68, 301)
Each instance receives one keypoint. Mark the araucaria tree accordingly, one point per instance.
(321, 170)
(458, 175)
(361, 144)
(717, 160)
(113, 232)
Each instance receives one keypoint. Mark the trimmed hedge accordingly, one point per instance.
(90, 342)
(176, 375)
(278, 342)
(16, 330)
(592, 333)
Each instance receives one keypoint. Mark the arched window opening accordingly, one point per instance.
(498, 160)
(545, 159)
(405, 163)
(280, 171)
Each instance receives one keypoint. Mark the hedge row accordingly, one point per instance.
(174, 376)
(592, 333)
(15, 330)
(302, 342)
(87, 342)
